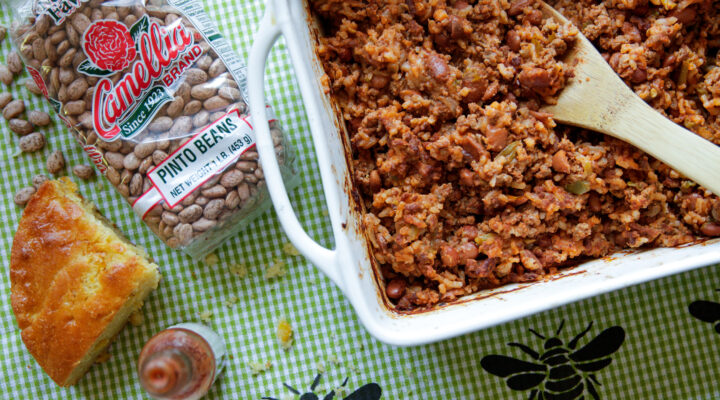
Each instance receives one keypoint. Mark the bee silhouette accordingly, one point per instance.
(706, 311)
(560, 372)
(371, 391)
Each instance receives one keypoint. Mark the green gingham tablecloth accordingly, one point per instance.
(659, 350)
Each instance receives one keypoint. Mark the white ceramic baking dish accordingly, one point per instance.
(350, 264)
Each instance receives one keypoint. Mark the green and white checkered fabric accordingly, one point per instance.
(666, 353)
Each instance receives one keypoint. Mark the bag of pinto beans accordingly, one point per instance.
(157, 98)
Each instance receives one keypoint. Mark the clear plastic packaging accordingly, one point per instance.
(157, 98)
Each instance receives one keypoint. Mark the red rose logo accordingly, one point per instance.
(108, 45)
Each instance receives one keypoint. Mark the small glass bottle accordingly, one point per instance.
(181, 362)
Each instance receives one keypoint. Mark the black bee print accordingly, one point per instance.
(559, 372)
(371, 391)
(706, 311)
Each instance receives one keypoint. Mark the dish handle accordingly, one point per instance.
(270, 29)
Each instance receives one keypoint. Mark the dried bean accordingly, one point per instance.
(195, 76)
(244, 191)
(181, 126)
(6, 76)
(74, 107)
(136, 185)
(38, 49)
(80, 22)
(201, 118)
(86, 120)
(225, 215)
(83, 171)
(216, 68)
(110, 146)
(192, 107)
(232, 200)
(144, 149)
(183, 232)
(67, 58)
(115, 159)
(23, 196)
(145, 165)
(158, 156)
(184, 91)
(32, 87)
(215, 103)
(203, 224)
(191, 214)
(123, 189)
(216, 115)
(77, 89)
(175, 108)
(42, 24)
(170, 219)
(39, 118)
(147, 184)
(20, 126)
(204, 62)
(39, 179)
(214, 192)
(14, 62)
(232, 178)
(203, 92)
(131, 162)
(113, 176)
(50, 51)
(213, 208)
(125, 176)
(190, 199)
(55, 162)
(13, 109)
(32, 142)
(161, 124)
(5, 99)
(229, 93)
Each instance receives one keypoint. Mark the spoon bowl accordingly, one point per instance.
(595, 98)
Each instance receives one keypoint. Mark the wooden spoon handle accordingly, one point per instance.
(687, 153)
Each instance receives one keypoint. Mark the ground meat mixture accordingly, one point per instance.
(466, 184)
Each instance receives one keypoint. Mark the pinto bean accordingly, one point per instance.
(395, 288)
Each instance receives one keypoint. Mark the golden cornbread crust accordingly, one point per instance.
(73, 278)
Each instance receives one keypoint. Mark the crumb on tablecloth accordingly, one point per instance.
(290, 250)
(258, 367)
(211, 259)
(231, 301)
(285, 334)
(205, 316)
(275, 270)
(239, 270)
(137, 318)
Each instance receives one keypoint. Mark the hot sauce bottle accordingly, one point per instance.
(181, 362)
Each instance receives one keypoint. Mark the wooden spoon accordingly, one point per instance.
(597, 99)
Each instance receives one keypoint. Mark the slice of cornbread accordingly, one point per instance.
(75, 280)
